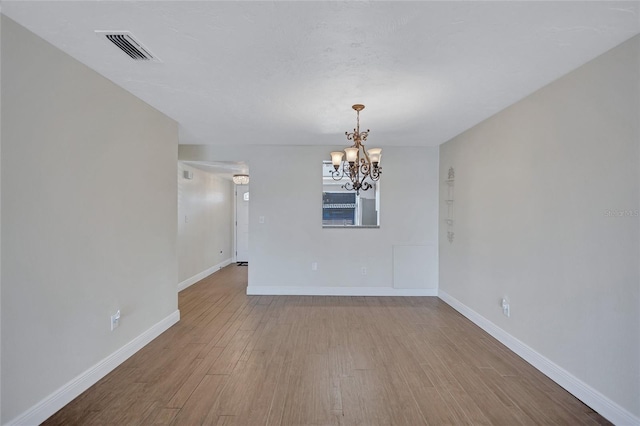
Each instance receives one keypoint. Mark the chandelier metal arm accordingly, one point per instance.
(365, 166)
(366, 185)
(348, 186)
(337, 174)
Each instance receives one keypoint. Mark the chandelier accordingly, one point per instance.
(241, 179)
(361, 164)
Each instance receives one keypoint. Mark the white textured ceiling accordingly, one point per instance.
(288, 72)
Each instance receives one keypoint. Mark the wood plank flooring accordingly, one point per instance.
(245, 360)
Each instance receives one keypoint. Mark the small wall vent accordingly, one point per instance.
(125, 41)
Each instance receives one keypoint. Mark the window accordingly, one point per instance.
(338, 208)
(344, 208)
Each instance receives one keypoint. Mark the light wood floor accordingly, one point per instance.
(309, 360)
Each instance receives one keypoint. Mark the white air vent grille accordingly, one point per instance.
(125, 41)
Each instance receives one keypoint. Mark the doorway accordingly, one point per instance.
(242, 225)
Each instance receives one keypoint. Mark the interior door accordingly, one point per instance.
(242, 224)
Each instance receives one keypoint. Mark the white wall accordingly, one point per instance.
(286, 188)
(205, 224)
(0, 222)
(88, 219)
(533, 188)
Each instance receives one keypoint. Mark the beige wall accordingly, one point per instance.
(88, 218)
(0, 224)
(535, 190)
(286, 189)
(205, 222)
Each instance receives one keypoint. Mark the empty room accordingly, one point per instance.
(319, 212)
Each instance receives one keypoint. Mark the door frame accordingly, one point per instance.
(235, 224)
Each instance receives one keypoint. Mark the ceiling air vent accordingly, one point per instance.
(125, 41)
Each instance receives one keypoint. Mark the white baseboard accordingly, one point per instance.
(591, 397)
(338, 291)
(61, 397)
(204, 274)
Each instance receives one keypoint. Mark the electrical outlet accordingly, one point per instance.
(314, 266)
(115, 320)
(363, 270)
